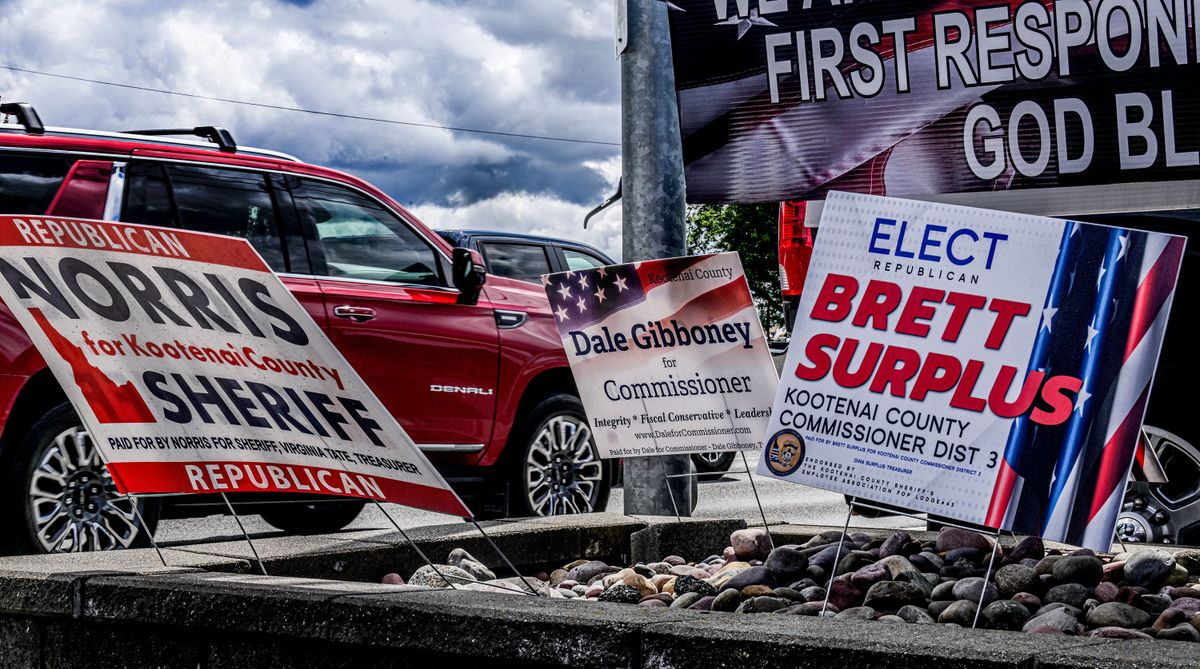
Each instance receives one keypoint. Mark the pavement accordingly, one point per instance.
(729, 497)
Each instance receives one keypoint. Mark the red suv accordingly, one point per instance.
(475, 373)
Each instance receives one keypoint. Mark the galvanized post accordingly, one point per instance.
(653, 212)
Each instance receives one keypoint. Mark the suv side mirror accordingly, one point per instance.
(469, 274)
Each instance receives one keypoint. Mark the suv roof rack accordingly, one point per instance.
(219, 136)
(26, 115)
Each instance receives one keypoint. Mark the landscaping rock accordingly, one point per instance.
(1116, 614)
(1149, 568)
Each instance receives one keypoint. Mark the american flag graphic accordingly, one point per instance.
(1102, 322)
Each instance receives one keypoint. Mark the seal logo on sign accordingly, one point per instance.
(785, 452)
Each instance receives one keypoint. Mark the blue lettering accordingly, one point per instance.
(960, 261)
(900, 252)
(930, 243)
(878, 235)
(996, 238)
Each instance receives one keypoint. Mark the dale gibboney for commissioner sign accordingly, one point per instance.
(196, 370)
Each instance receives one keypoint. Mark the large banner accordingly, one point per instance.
(668, 355)
(984, 366)
(788, 99)
(196, 370)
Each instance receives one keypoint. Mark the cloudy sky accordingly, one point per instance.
(541, 67)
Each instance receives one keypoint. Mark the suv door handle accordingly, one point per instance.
(356, 314)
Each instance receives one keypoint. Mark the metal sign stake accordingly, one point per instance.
(246, 534)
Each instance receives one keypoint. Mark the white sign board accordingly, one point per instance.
(196, 370)
(668, 355)
(979, 365)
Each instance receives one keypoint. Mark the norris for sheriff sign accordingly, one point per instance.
(196, 370)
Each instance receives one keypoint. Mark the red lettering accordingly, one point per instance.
(1054, 393)
(998, 398)
(962, 398)
(939, 374)
(899, 364)
(814, 350)
(964, 304)
(841, 368)
(1006, 311)
(879, 300)
(917, 308)
(834, 301)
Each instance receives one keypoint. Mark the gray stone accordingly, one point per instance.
(894, 544)
(768, 604)
(1190, 559)
(1120, 633)
(751, 576)
(1028, 548)
(786, 564)
(1067, 593)
(950, 538)
(728, 600)
(1014, 578)
(868, 576)
(685, 600)
(789, 593)
(856, 613)
(1116, 614)
(813, 593)
(1086, 570)
(751, 544)
(1180, 632)
(1149, 568)
(892, 595)
(961, 613)
(973, 588)
(1005, 614)
(685, 584)
(1056, 620)
(621, 594)
(589, 570)
(915, 614)
(465, 561)
(428, 578)
(936, 608)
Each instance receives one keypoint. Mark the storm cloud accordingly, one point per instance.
(542, 67)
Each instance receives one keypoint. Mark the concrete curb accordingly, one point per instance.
(120, 610)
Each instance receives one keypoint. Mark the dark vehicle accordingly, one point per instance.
(527, 258)
(473, 372)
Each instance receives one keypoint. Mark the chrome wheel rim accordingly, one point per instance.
(713, 459)
(1164, 513)
(74, 505)
(563, 470)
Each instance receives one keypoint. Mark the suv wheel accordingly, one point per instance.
(318, 517)
(559, 470)
(59, 496)
(1165, 512)
(712, 466)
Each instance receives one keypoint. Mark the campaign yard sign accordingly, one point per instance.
(668, 355)
(196, 370)
(979, 365)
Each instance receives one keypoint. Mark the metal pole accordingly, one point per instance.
(246, 534)
(653, 204)
(137, 514)
(837, 557)
(533, 591)
(987, 577)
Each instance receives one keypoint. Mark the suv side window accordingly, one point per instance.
(524, 262)
(577, 259)
(234, 203)
(28, 183)
(363, 240)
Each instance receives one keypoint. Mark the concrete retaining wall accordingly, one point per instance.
(126, 610)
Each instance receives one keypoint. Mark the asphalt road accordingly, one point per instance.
(729, 497)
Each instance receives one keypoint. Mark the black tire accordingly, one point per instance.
(313, 517)
(583, 481)
(85, 511)
(712, 466)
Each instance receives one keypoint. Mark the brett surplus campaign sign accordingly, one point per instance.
(787, 99)
(196, 370)
(979, 365)
(668, 355)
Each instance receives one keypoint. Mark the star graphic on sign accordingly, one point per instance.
(545, 279)
(1103, 270)
(620, 280)
(599, 294)
(565, 291)
(1047, 316)
(603, 274)
(581, 304)
(582, 281)
(1091, 334)
(561, 313)
(744, 25)
(1084, 396)
(1124, 239)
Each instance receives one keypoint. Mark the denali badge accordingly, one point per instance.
(465, 390)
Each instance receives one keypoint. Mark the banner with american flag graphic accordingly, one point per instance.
(979, 365)
(668, 355)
